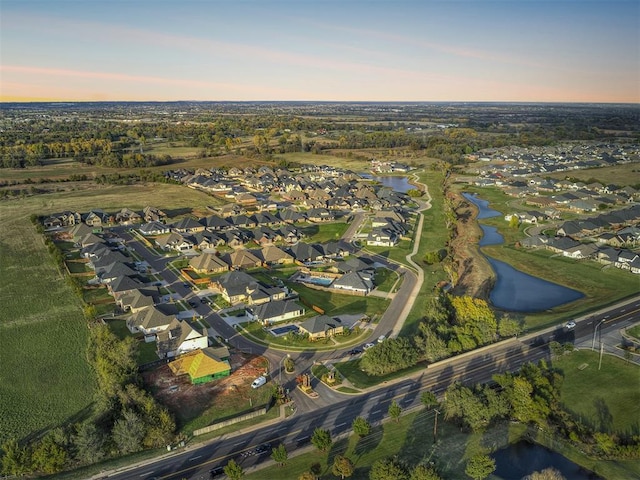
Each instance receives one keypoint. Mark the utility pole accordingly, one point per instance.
(435, 425)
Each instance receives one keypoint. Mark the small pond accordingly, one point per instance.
(515, 290)
(523, 458)
(397, 183)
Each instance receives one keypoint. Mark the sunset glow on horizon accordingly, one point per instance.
(370, 50)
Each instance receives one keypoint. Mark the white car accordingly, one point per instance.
(570, 325)
(381, 338)
(367, 346)
(258, 382)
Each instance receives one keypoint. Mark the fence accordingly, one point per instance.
(231, 421)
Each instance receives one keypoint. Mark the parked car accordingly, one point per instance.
(381, 338)
(258, 382)
(367, 346)
(570, 325)
(355, 351)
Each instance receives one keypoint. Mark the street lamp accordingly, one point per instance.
(595, 331)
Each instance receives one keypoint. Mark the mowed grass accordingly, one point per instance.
(324, 232)
(337, 304)
(44, 377)
(613, 400)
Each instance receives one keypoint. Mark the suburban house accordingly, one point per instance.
(187, 225)
(276, 311)
(208, 263)
(273, 256)
(154, 228)
(382, 237)
(237, 287)
(322, 326)
(153, 214)
(152, 320)
(174, 241)
(202, 365)
(139, 299)
(241, 259)
(179, 338)
(360, 282)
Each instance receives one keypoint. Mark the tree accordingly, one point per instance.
(89, 443)
(16, 460)
(233, 470)
(508, 327)
(307, 476)
(48, 456)
(388, 469)
(128, 432)
(421, 472)
(480, 467)
(429, 399)
(514, 222)
(321, 438)
(280, 455)
(361, 427)
(342, 467)
(395, 410)
(289, 365)
(556, 349)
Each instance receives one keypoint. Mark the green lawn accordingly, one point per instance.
(352, 372)
(385, 279)
(613, 400)
(324, 232)
(634, 332)
(336, 304)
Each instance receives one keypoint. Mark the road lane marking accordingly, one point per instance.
(147, 473)
(195, 458)
(341, 425)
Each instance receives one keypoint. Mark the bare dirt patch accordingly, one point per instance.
(187, 401)
(475, 276)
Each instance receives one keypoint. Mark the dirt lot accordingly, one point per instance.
(188, 401)
(475, 274)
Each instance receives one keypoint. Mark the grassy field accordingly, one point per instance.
(324, 232)
(337, 304)
(43, 335)
(634, 332)
(613, 402)
(619, 175)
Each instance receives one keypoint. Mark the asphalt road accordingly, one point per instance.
(470, 368)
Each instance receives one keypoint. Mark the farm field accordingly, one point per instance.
(43, 335)
(618, 175)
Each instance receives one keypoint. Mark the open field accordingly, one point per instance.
(43, 333)
(324, 232)
(618, 175)
(613, 403)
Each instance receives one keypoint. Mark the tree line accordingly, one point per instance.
(451, 325)
(125, 418)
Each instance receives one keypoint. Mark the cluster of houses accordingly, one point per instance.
(382, 166)
(607, 238)
(514, 161)
(312, 187)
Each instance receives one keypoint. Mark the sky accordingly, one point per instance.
(323, 50)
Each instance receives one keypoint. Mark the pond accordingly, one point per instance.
(515, 290)
(523, 458)
(397, 183)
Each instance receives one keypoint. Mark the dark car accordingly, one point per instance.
(355, 351)
(216, 472)
(264, 448)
